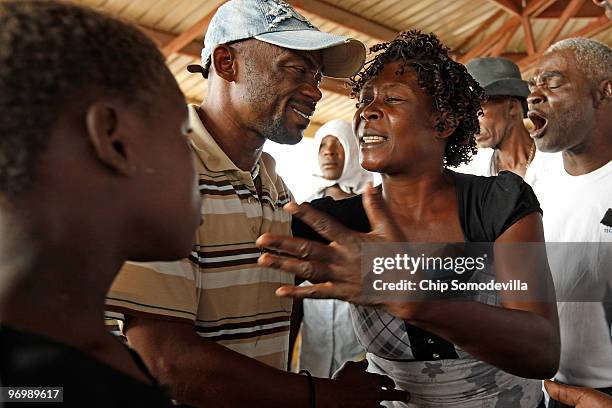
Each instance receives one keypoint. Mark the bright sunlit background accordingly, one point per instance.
(295, 164)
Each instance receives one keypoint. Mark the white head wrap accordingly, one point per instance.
(354, 178)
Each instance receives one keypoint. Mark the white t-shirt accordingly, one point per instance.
(574, 208)
(542, 163)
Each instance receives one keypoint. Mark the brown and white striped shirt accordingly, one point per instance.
(220, 288)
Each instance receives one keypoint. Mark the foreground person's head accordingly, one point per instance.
(571, 95)
(264, 63)
(417, 107)
(91, 143)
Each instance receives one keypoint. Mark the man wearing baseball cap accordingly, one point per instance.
(211, 326)
(504, 142)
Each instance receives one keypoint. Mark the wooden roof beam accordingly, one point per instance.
(163, 38)
(345, 19)
(508, 6)
(595, 27)
(571, 9)
(482, 28)
(588, 10)
(537, 7)
(514, 56)
(500, 47)
(197, 29)
(590, 30)
(482, 48)
(529, 39)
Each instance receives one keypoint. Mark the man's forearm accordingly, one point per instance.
(518, 342)
(202, 373)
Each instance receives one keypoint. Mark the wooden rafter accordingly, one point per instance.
(194, 48)
(345, 19)
(484, 46)
(588, 10)
(483, 27)
(198, 28)
(495, 43)
(590, 30)
(529, 40)
(509, 6)
(163, 38)
(571, 9)
(514, 56)
(503, 42)
(595, 27)
(536, 7)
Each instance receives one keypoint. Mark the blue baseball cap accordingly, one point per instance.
(276, 22)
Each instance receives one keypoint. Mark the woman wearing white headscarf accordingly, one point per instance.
(338, 173)
(328, 337)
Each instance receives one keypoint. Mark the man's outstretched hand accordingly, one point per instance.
(578, 397)
(335, 269)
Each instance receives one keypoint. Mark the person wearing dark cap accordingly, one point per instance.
(503, 141)
(211, 326)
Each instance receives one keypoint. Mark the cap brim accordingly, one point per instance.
(342, 57)
(195, 69)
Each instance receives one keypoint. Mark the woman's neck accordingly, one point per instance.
(417, 193)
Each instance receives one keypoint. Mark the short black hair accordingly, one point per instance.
(456, 95)
(50, 52)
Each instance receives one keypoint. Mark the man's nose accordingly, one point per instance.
(535, 97)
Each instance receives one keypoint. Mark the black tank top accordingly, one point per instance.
(487, 207)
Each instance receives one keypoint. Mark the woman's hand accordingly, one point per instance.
(578, 397)
(334, 269)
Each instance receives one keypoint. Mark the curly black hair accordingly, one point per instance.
(50, 52)
(456, 95)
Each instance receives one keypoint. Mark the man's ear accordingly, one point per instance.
(605, 90)
(515, 108)
(108, 136)
(224, 60)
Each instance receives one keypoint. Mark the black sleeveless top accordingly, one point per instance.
(487, 207)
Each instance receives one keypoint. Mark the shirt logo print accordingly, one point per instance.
(607, 221)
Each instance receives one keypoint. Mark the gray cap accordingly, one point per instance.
(277, 23)
(498, 76)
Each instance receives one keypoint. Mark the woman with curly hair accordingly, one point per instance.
(416, 116)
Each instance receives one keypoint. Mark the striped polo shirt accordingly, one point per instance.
(220, 289)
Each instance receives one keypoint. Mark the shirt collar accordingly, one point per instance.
(214, 158)
(205, 146)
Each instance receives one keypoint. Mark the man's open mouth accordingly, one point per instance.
(539, 124)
